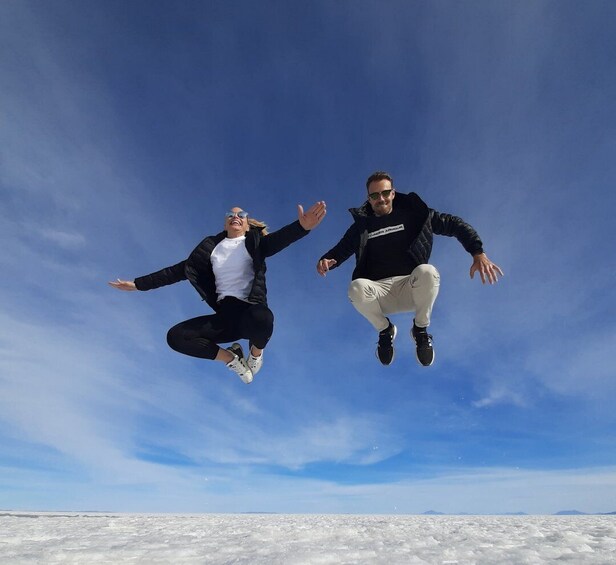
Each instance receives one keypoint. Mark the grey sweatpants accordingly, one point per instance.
(416, 292)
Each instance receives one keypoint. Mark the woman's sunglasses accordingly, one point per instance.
(242, 215)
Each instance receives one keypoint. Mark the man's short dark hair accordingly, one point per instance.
(379, 175)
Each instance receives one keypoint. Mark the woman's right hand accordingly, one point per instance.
(123, 285)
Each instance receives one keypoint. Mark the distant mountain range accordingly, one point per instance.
(559, 513)
(578, 513)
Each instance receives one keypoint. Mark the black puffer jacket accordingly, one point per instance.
(198, 267)
(356, 237)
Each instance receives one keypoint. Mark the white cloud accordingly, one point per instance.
(67, 240)
(236, 489)
(72, 392)
(499, 393)
(342, 439)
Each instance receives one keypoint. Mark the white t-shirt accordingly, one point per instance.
(232, 265)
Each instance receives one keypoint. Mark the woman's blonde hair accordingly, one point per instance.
(258, 224)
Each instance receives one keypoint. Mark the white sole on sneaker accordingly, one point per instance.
(254, 363)
(239, 365)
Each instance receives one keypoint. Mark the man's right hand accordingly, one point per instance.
(325, 265)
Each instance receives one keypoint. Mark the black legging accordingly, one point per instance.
(235, 319)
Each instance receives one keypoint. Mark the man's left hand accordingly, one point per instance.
(488, 271)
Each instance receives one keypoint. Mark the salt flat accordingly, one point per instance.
(82, 538)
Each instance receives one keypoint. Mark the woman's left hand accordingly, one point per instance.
(123, 285)
(313, 217)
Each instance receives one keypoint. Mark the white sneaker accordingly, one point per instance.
(254, 363)
(238, 365)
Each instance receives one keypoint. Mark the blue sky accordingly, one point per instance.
(129, 128)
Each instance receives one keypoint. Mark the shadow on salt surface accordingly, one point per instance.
(305, 539)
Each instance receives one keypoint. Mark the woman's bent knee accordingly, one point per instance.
(261, 315)
(175, 337)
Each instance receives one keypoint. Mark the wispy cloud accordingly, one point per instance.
(500, 394)
(66, 240)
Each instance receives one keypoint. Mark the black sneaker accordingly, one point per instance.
(423, 342)
(236, 349)
(385, 347)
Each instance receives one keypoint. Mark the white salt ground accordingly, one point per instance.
(305, 539)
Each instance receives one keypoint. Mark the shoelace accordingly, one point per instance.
(423, 339)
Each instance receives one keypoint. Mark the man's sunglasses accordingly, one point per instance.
(377, 195)
(242, 215)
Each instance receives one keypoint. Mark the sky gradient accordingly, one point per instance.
(128, 129)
